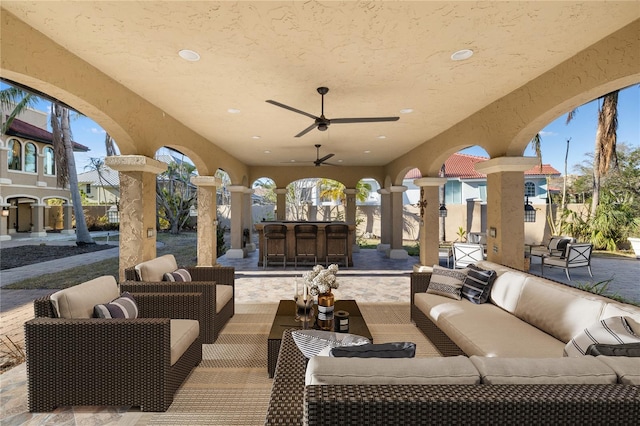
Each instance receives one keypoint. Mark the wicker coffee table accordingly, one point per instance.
(285, 319)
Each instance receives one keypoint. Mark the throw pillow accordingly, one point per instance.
(447, 282)
(477, 284)
(612, 331)
(179, 275)
(312, 342)
(382, 350)
(123, 307)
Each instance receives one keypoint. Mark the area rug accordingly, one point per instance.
(231, 387)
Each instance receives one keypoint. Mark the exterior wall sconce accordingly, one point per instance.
(442, 211)
(5, 212)
(529, 212)
(421, 204)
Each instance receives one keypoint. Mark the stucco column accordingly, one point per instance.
(67, 219)
(429, 220)
(281, 203)
(397, 223)
(350, 213)
(4, 223)
(248, 219)
(137, 207)
(37, 221)
(505, 208)
(385, 220)
(237, 206)
(207, 219)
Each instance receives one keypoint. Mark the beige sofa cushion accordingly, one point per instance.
(78, 301)
(369, 371)
(627, 368)
(487, 330)
(506, 290)
(224, 293)
(557, 309)
(504, 371)
(154, 269)
(183, 333)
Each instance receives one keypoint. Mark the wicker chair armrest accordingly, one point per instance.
(287, 390)
(470, 404)
(419, 283)
(130, 274)
(170, 305)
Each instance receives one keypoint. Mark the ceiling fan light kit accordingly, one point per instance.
(322, 123)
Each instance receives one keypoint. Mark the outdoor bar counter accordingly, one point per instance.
(291, 240)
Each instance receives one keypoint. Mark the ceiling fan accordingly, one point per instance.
(322, 123)
(318, 161)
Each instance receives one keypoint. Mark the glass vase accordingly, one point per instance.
(326, 303)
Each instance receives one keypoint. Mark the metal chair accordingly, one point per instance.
(275, 244)
(306, 236)
(576, 256)
(337, 242)
(464, 254)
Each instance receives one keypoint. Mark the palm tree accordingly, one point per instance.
(18, 100)
(605, 145)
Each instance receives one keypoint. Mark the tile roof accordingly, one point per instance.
(462, 166)
(25, 130)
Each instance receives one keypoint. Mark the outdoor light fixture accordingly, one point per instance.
(442, 211)
(529, 212)
(5, 212)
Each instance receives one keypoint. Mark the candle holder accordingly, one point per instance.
(305, 312)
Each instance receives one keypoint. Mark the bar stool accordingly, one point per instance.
(275, 244)
(306, 242)
(337, 242)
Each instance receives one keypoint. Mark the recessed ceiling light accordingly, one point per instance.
(255, 137)
(367, 152)
(382, 137)
(292, 161)
(461, 55)
(340, 161)
(233, 111)
(189, 55)
(267, 152)
(406, 110)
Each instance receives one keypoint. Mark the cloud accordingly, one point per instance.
(543, 133)
(98, 131)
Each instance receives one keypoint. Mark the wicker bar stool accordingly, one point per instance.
(306, 242)
(337, 242)
(275, 242)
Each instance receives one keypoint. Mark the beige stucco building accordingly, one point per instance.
(119, 64)
(28, 180)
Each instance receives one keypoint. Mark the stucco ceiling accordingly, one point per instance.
(376, 58)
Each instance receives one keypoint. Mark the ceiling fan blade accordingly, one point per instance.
(325, 158)
(363, 120)
(291, 109)
(307, 130)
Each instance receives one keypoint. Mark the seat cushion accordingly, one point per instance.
(183, 333)
(505, 371)
(487, 330)
(380, 371)
(153, 270)
(627, 369)
(224, 293)
(78, 301)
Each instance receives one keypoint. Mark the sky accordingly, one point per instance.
(581, 131)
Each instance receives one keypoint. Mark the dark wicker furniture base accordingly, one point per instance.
(108, 362)
(292, 403)
(204, 280)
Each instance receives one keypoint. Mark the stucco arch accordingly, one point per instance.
(56, 197)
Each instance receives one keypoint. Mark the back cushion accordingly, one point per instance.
(507, 288)
(153, 270)
(556, 309)
(78, 301)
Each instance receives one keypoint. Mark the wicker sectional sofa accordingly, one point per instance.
(613, 400)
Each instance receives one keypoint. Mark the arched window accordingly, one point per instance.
(15, 155)
(49, 161)
(30, 158)
(529, 189)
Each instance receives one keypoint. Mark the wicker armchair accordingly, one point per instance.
(109, 362)
(215, 283)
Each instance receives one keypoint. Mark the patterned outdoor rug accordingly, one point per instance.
(231, 387)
